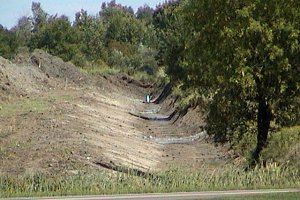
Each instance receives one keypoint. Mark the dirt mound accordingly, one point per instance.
(122, 84)
(35, 72)
(55, 67)
(5, 83)
(21, 79)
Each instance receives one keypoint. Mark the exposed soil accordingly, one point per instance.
(87, 121)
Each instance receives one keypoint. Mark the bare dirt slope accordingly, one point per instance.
(54, 119)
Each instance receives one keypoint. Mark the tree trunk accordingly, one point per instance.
(264, 116)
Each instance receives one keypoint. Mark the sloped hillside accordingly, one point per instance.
(56, 120)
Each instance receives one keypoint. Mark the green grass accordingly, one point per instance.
(174, 180)
(100, 70)
(23, 106)
(35, 104)
(280, 196)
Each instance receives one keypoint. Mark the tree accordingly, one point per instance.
(23, 30)
(244, 56)
(8, 43)
(170, 31)
(39, 16)
(57, 37)
(122, 26)
(92, 31)
(107, 9)
(145, 13)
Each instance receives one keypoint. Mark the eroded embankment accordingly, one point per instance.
(80, 123)
(182, 137)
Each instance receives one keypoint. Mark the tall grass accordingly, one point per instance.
(101, 70)
(173, 180)
(284, 147)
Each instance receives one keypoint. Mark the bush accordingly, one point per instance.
(283, 147)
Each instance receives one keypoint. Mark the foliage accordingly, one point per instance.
(188, 97)
(23, 30)
(91, 31)
(143, 60)
(99, 68)
(283, 147)
(243, 55)
(121, 25)
(171, 35)
(145, 13)
(58, 37)
(115, 36)
(39, 16)
(8, 43)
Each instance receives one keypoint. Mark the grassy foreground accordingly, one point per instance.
(173, 180)
(34, 104)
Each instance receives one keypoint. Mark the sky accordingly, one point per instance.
(12, 10)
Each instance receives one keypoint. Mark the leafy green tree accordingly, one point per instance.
(58, 38)
(129, 40)
(121, 24)
(107, 9)
(145, 13)
(171, 38)
(8, 43)
(39, 16)
(92, 31)
(245, 56)
(23, 30)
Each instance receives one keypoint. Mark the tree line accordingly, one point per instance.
(242, 56)
(116, 36)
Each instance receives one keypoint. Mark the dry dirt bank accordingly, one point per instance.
(55, 119)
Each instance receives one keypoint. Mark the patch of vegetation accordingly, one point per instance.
(283, 147)
(117, 37)
(100, 69)
(187, 97)
(250, 87)
(23, 106)
(8, 43)
(34, 104)
(173, 180)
